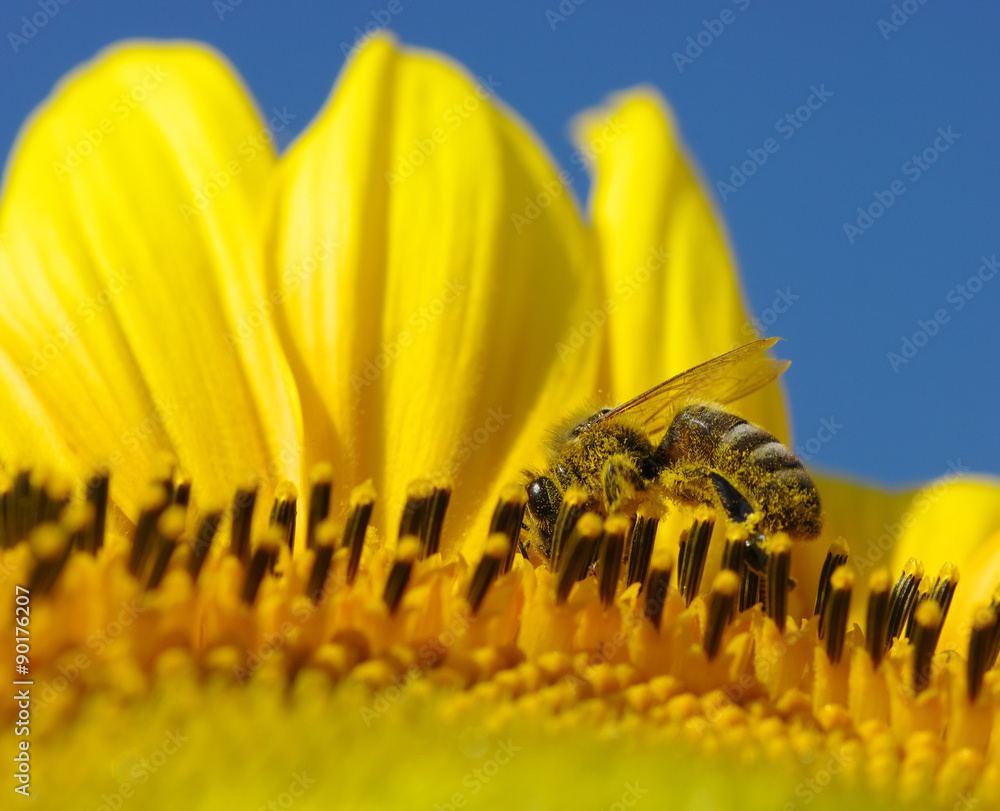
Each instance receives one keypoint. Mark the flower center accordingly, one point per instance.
(601, 622)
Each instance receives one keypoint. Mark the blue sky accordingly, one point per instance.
(886, 107)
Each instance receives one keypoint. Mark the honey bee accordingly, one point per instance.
(677, 441)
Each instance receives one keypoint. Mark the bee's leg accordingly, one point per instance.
(733, 501)
(621, 480)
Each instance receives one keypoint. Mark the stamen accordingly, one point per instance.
(735, 548)
(877, 622)
(262, 562)
(836, 556)
(836, 609)
(324, 542)
(435, 518)
(779, 562)
(283, 511)
(721, 607)
(508, 516)
(925, 637)
(749, 589)
(152, 503)
(362, 502)
(203, 542)
(423, 515)
(490, 564)
(944, 588)
(573, 505)
(612, 550)
(50, 548)
(182, 489)
(578, 552)
(53, 499)
(406, 555)
(163, 467)
(984, 629)
(19, 500)
(98, 487)
(902, 599)
(657, 587)
(168, 529)
(78, 520)
(692, 555)
(641, 548)
(243, 506)
(321, 477)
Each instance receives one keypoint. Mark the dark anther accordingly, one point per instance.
(657, 586)
(836, 556)
(928, 617)
(169, 527)
(507, 518)
(395, 586)
(573, 505)
(151, 505)
(836, 608)
(611, 555)
(261, 563)
(692, 556)
(243, 506)
(877, 624)
(50, 547)
(283, 511)
(577, 554)
(324, 542)
(496, 552)
(362, 502)
(902, 599)
(641, 546)
(721, 606)
(203, 542)
(319, 499)
(779, 562)
(98, 487)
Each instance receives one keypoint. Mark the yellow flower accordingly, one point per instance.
(403, 304)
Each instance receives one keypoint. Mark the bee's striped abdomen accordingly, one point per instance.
(752, 460)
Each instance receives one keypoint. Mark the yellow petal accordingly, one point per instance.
(428, 326)
(132, 208)
(673, 296)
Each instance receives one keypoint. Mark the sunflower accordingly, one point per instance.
(265, 422)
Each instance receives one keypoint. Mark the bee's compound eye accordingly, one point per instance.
(544, 499)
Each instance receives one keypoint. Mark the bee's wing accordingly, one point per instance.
(724, 379)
